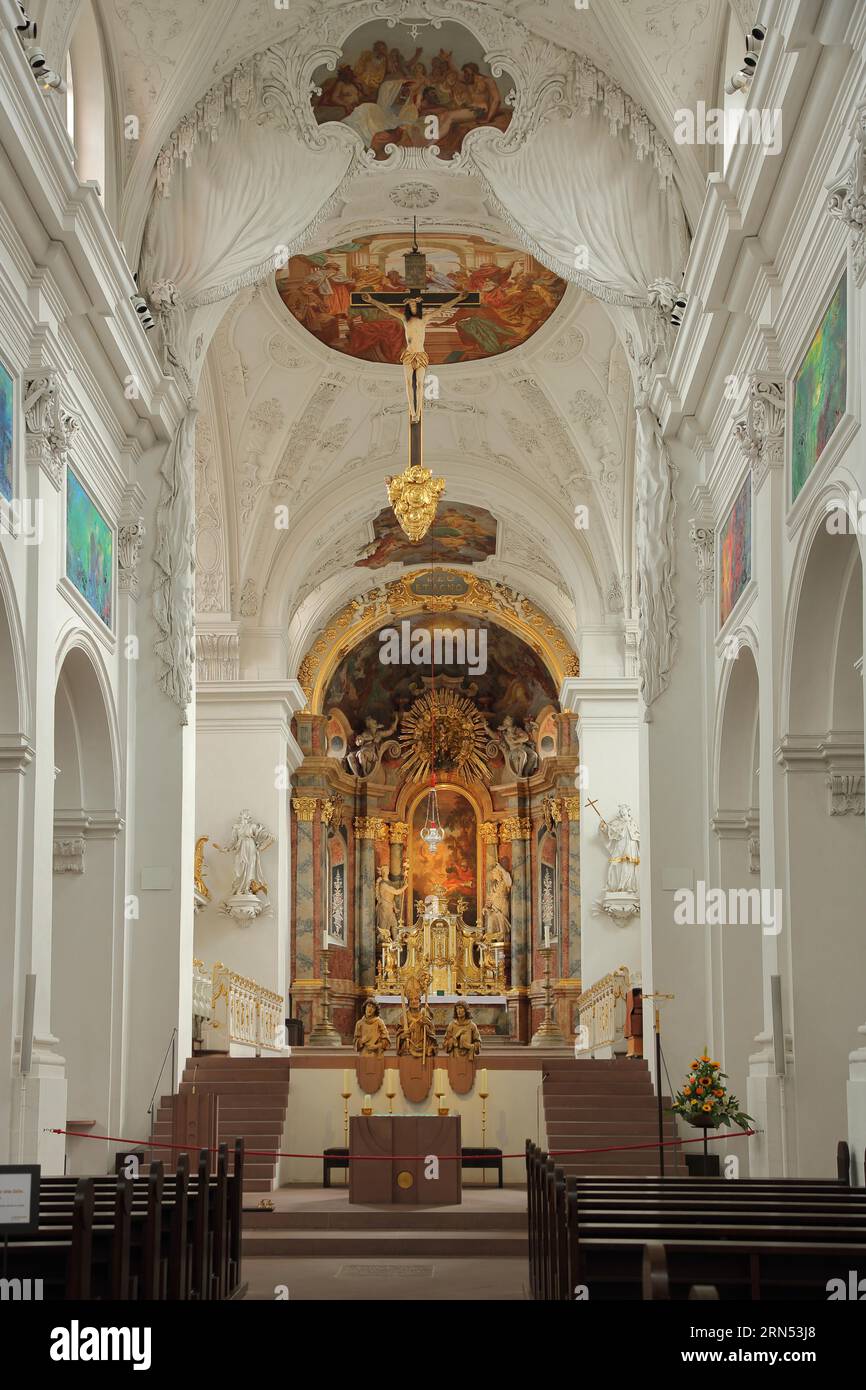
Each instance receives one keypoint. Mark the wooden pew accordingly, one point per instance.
(760, 1237)
(157, 1237)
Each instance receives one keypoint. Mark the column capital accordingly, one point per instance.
(759, 428)
(703, 539)
(847, 200)
(48, 426)
(571, 807)
(513, 828)
(130, 538)
(304, 807)
(399, 832)
(489, 831)
(371, 828)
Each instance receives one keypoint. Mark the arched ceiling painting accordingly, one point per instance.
(515, 680)
(517, 295)
(393, 89)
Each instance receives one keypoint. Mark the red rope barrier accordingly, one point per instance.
(401, 1158)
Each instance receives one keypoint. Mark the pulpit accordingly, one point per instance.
(381, 1172)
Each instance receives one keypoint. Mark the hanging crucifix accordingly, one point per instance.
(416, 308)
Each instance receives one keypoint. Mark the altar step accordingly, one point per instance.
(606, 1105)
(327, 1245)
(387, 1232)
(253, 1098)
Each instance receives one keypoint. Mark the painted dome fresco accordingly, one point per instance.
(517, 295)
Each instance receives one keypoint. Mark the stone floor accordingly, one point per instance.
(419, 1257)
(312, 1280)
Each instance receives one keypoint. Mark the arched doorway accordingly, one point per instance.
(735, 951)
(88, 926)
(823, 758)
(15, 757)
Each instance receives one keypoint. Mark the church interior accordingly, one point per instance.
(431, 652)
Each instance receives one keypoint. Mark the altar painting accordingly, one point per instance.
(454, 864)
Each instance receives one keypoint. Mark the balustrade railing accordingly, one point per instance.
(240, 1010)
(601, 1012)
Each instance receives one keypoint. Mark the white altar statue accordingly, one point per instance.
(623, 843)
(249, 841)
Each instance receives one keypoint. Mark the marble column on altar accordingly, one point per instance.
(368, 829)
(398, 833)
(304, 809)
(569, 840)
(489, 831)
(514, 830)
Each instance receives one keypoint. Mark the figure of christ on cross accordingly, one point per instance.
(416, 310)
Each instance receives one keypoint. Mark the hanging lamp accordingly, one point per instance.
(431, 832)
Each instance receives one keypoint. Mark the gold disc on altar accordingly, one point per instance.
(405, 1179)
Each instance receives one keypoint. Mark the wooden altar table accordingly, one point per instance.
(401, 1181)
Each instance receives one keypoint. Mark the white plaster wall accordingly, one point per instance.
(314, 1119)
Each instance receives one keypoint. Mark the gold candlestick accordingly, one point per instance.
(483, 1093)
(346, 1095)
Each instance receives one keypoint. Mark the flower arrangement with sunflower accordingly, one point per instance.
(704, 1099)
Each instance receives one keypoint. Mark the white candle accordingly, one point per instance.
(390, 1082)
(368, 1104)
(482, 1080)
(347, 1082)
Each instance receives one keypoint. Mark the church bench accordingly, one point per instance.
(594, 1231)
(477, 1157)
(333, 1158)
(754, 1269)
(148, 1238)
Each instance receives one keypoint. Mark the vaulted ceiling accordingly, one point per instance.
(530, 435)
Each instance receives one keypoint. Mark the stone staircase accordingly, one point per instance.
(599, 1104)
(253, 1098)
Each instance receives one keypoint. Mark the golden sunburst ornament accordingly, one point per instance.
(414, 494)
(445, 729)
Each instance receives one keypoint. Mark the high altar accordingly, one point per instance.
(457, 959)
(492, 911)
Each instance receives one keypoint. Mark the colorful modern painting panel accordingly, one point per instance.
(517, 295)
(392, 89)
(735, 552)
(820, 390)
(7, 434)
(89, 550)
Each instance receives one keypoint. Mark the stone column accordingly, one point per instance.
(609, 718)
(759, 430)
(245, 755)
(514, 830)
(304, 809)
(489, 838)
(398, 832)
(40, 1101)
(569, 839)
(368, 829)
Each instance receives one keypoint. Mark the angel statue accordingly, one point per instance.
(249, 841)
(389, 902)
(497, 903)
(364, 758)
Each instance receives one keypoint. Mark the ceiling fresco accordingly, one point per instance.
(460, 535)
(393, 89)
(517, 295)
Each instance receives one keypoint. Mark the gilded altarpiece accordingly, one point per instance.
(506, 877)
